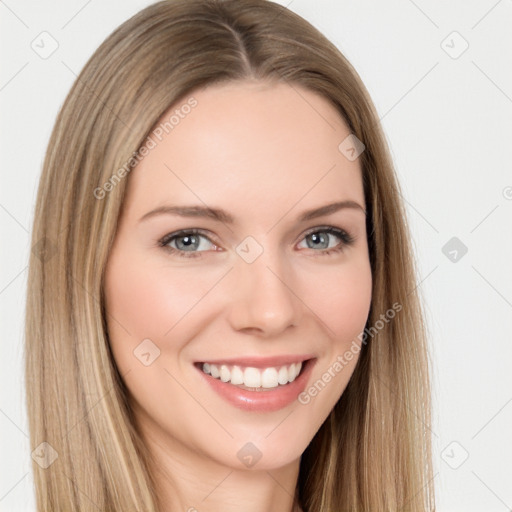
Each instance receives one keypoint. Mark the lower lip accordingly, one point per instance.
(265, 400)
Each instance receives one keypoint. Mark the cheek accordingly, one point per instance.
(148, 300)
(342, 304)
(350, 304)
(341, 297)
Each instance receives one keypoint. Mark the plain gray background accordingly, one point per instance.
(447, 113)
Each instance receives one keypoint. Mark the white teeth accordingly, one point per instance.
(295, 371)
(282, 376)
(269, 378)
(237, 375)
(225, 374)
(254, 377)
(214, 371)
(291, 373)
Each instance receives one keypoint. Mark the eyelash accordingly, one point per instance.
(344, 236)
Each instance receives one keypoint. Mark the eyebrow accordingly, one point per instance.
(221, 215)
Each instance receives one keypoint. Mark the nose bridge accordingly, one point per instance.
(263, 298)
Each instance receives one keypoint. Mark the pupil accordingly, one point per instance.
(318, 239)
(188, 241)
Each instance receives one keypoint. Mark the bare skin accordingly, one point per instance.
(264, 153)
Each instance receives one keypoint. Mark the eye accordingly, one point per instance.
(187, 243)
(191, 242)
(324, 238)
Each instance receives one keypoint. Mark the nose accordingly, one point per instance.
(263, 299)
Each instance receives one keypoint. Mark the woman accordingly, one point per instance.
(222, 310)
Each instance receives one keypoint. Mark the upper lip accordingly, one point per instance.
(261, 362)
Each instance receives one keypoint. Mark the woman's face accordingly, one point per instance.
(270, 277)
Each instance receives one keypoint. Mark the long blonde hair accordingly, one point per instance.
(373, 452)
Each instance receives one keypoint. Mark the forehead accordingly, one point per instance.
(271, 144)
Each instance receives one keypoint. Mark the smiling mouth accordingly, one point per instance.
(254, 379)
